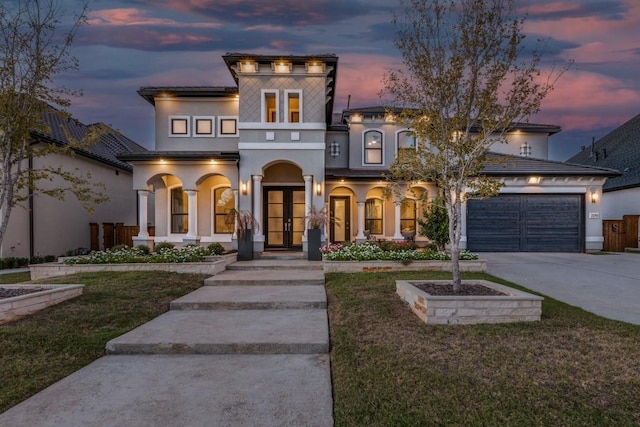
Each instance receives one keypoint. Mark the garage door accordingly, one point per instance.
(526, 223)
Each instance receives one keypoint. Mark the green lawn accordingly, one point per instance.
(389, 369)
(38, 350)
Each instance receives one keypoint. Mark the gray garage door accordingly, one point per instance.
(526, 223)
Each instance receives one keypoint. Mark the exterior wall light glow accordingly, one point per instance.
(314, 67)
(281, 67)
(534, 180)
(356, 118)
(243, 188)
(319, 189)
(389, 118)
(594, 196)
(248, 66)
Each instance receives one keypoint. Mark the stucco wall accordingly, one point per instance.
(615, 204)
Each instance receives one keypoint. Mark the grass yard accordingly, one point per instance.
(42, 348)
(388, 368)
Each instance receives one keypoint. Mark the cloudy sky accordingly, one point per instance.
(134, 43)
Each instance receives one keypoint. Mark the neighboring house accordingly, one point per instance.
(619, 149)
(47, 226)
(270, 141)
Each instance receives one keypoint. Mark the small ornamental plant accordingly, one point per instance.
(138, 255)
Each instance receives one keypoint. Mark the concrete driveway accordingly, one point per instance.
(608, 285)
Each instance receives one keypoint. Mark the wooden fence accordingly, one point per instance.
(114, 234)
(620, 233)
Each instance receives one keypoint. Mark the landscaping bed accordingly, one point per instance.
(21, 300)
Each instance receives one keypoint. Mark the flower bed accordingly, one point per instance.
(392, 257)
(138, 255)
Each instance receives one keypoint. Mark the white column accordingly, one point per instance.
(308, 193)
(397, 235)
(192, 197)
(143, 196)
(257, 207)
(360, 235)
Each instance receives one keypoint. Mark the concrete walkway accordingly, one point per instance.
(607, 284)
(250, 348)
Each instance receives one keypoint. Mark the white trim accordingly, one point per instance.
(287, 92)
(281, 146)
(179, 135)
(382, 147)
(281, 126)
(227, 135)
(543, 190)
(204, 135)
(263, 105)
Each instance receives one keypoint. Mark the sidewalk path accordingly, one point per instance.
(250, 348)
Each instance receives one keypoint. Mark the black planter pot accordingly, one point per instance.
(313, 244)
(245, 245)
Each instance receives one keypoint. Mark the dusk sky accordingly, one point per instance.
(134, 43)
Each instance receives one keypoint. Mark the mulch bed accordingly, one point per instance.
(466, 290)
(16, 292)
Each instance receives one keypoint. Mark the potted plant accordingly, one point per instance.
(315, 220)
(245, 222)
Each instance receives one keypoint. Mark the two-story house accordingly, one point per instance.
(269, 146)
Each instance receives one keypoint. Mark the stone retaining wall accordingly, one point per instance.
(217, 265)
(16, 307)
(515, 306)
(365, 266)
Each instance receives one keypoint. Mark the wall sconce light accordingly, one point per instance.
(356, 118)
(314, 67)
(319, 189)
(282, 66)
(334, 149)
(534, 180)
(248, 66)
(243, 187)
(594, 196)
(389, 118)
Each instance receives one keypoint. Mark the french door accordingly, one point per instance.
(284, 217)
(340, 226)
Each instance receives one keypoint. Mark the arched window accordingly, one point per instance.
(408, 216)
(223, 201)
(373, 147)
(373, 216)
(406, 140)
(179, 211)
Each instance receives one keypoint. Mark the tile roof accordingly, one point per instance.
(105, 149)
(498, 165)
(619, 149)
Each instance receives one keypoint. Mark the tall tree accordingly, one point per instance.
(466, 79)
(33, 51)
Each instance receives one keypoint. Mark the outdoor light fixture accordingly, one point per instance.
(356, 118)
(282, 66)
(534, 180)
(314, 67)
(594, 196)
(248, 66)
(318, 189)
(334, 149)
(243, 187)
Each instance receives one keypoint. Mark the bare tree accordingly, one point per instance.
(466, 80)
(33, 51)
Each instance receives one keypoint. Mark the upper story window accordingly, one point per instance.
(373, 147)
(405, 140)
(179, 126)
(270, 106)
(525, 149)
(227, 126)
(179, 211)
(203, 126)
(293, 106)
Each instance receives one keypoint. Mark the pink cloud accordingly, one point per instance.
(137, 17)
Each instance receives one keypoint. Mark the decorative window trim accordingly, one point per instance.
(263, 105)
(212, 131)
(174, 121)
(221, 119)
(288, 92)
(364, 148)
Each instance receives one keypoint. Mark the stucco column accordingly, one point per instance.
(257, 207)
(192, 197)
(308, 189)
(397, 235)
(360, 235)
(143, 196)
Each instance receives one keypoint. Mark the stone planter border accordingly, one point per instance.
(368, 266)
(23, 305)
(216, 265)
(515, 306)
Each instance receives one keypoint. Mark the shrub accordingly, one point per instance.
(136, 255)
(164, 245)
(215, 248)
(143, 248)
(436, 224)
(372, 252)
(117, 248)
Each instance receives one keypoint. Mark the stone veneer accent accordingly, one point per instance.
(365, 266)
(23, 305)
(216, 266)
(515, 306)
